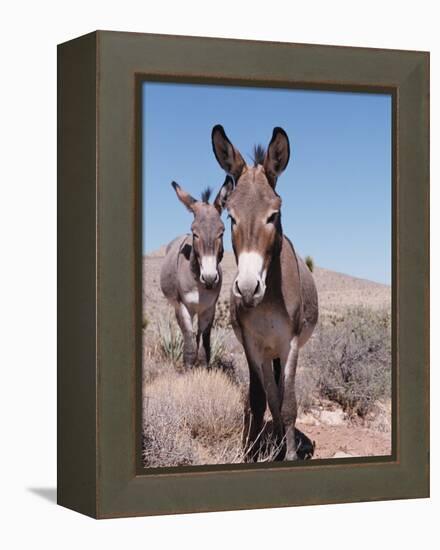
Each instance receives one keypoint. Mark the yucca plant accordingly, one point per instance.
(170, 339)
(218, 347)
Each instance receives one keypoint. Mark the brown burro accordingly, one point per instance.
(191, 276)
(274, 303)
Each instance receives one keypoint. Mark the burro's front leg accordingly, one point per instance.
(273, 399)
(256, 404)
(253, 416)
(206, 320)
(185, 323)
(289, 407)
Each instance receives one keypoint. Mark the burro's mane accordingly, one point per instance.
(258, 154)
(206, 195)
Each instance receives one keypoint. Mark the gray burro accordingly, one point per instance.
(191, 275)
(274, 303)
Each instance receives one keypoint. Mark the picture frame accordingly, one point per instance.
(99, 274)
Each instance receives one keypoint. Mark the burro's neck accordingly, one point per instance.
(274, 276)
(194, 264)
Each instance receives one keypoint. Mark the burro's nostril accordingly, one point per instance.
(209, 279)
(237, 288)
(257, 288)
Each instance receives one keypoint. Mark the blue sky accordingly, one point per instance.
(336, 189)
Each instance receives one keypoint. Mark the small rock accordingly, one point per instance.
(341, 454)
(332, 418)
(307, 420)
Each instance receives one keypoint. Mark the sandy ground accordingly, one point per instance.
(333, 435)
(347, 441)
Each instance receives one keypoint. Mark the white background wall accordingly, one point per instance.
(29, 34)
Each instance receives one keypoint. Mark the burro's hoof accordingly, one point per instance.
(305, 447)
(291, 456)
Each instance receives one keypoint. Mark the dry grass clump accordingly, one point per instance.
(187, 414)
(155, 367)
(167, 440)
(211, 402)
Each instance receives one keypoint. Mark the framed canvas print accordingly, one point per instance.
(243, 274)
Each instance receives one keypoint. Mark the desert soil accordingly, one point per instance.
(334, 434)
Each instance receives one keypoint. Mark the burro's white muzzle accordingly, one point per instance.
(209, 275)
(250, 284)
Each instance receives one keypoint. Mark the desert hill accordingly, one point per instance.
(335, 290)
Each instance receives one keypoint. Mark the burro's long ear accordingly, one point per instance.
(184, 197)
(277, 156)
(223, 194)
(226, 154)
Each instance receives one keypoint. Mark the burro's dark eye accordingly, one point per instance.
(233, 222)
(272, 218)
(195, 235)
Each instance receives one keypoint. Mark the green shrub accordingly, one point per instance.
(305, 389)
(310, 263)
(349, 359)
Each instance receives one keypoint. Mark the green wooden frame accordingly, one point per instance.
(99, 471)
